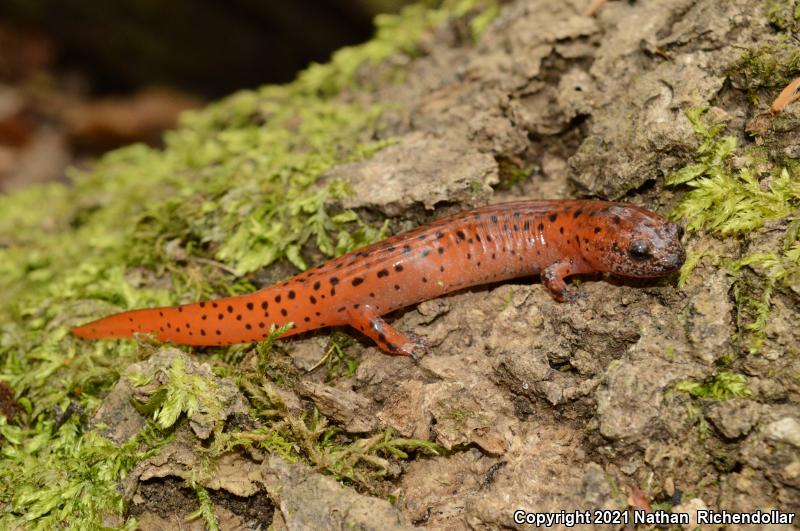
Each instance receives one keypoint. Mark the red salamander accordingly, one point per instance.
(552, 239)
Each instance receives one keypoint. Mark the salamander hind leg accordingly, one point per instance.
(553, 279)
(365, 319)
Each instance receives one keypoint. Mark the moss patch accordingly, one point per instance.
(769, 66)
(733, 197)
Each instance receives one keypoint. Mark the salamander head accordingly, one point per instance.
(636, 243)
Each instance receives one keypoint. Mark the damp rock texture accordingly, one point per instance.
(534, 404)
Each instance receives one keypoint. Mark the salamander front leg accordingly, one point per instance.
(553, 279)
(366, 320)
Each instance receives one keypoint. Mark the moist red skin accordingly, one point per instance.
(552, 239)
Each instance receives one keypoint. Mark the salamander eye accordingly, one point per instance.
(639, 250)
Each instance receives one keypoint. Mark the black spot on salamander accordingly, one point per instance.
(382, 337)
(204, 317)
(561, 230)
(317, 285)
(214, 305)
(469, 241)
(513, 252)
(441, 269)
(493, 218)
(426, 252)
(239, 317)
(202, 331)
(357, 281)
(160, 328)
(317, 314)
(406, 249)
(422, 236)
(488, 237)
(180, 308)
(161, 314)
(585, 240)
(552, 217)
(424, 280)
(340, 309)
(307, 319)
(516, 215)
(397, 287)
(398, 267)
(372, 294)
(577, 239)
(460, 235)
(291, 294)
(202, 304)
(356, 305)
(516, 228)
(333, 292)
(230, 309)
(597, 230)
(334, 281)
(390, 249)
(264, 305)
(284, 312)
(527, 226)
(540, 226)
(440, 250)
(439, 234)
(617, 220)
(220, 317)
(312, 299)
(250, 306)
(261, 324)
(130, 319)
(469, 256)
(248, 326)
(383, 273)
(219, 332)
(577, 213)
(494, 256)
(277, 299)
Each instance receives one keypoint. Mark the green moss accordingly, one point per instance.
(784, 14)
(205, 509)
(727, 199)
(767, 67)
(312, 440)
(511, 174)
(183, 393)
(62, 476)
(721, 386)
(235, 189)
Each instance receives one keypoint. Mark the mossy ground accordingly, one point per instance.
(233, 191)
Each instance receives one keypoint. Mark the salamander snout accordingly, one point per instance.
(643, 244)
(654, 250)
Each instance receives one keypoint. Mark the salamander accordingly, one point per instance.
(553, 239)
